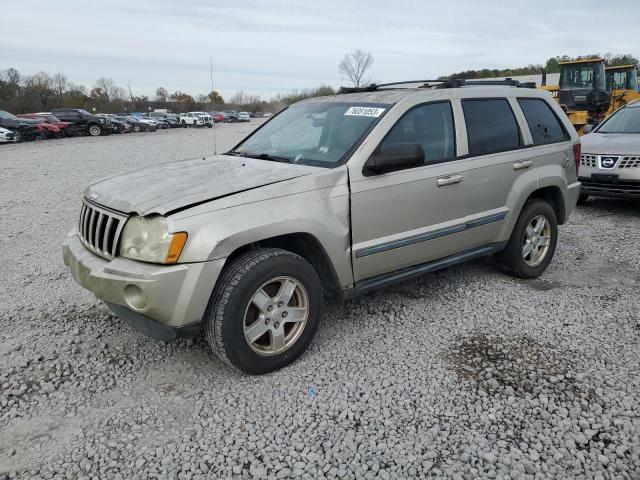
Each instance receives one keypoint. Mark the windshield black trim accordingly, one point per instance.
(347, 155)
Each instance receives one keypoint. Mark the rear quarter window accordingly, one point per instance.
(491, 126)
(543, 122)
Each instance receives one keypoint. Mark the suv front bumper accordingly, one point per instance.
(614, 182)
(164, 301)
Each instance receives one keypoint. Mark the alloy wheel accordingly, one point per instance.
(276, 315)
(537, 239)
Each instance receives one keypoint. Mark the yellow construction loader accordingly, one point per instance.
(622, 85)
(582, 91)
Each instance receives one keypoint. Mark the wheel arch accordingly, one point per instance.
(305, 245)
(553, 196)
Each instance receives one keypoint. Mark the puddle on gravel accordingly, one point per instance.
(515, 365)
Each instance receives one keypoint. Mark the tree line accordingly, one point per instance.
(42, 91)
(552, 65)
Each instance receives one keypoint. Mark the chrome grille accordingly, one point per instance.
(99, 229)
(629, 162)
(587, 160)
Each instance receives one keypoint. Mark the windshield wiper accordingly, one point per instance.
(262, 156)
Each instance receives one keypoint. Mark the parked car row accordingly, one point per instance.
(60, 122)
(22, 128)
(231, 116)
(66, 122)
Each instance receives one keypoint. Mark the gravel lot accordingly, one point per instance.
(466, 373)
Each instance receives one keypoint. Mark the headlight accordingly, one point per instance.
(149, 240)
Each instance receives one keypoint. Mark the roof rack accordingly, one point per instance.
(446, 83)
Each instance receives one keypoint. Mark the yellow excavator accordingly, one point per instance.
(582, 91)
(622, 85)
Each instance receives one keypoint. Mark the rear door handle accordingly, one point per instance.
(443, 181)
(522, 165)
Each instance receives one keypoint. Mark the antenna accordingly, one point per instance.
(213, 108)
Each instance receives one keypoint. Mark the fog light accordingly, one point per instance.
(135, 297)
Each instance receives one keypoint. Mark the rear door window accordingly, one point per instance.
(543, 123)
(491, 126)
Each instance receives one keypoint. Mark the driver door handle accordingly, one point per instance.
(450, 180)
(522, 165)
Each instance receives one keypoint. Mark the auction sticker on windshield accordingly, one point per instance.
(364, 111)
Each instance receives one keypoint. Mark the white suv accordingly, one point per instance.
(196, 119)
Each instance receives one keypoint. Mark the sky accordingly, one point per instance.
(266, 47)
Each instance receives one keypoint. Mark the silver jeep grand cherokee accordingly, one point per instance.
(334, 196)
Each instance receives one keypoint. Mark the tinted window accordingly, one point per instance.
(430, 126)
(544, 125)
(491, 126)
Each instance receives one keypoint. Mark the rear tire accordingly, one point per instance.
(18, 136)
(287, 287)
(525, 238)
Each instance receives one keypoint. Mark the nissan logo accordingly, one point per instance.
(608, 162)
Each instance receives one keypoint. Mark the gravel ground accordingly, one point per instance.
(465, 373)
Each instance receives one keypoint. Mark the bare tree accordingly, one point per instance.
(60, 84)
(354, 65)
(237, 99)
(107, 85)
(40, 87)
(161, 94)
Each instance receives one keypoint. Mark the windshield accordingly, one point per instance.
(589, 75)
(7, 115)
(314, 133)
(622, 80)
(626, 120)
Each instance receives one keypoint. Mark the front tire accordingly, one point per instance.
(264, 310)
(533, 241)
(95, 130)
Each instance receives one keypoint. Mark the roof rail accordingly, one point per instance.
(441, 83)
(508, 82)
(373, 87)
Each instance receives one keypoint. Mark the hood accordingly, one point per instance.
(171, 187)
(29, 121)
(25, 121)
(611, 143)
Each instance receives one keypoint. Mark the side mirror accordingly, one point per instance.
(588, 128)
(391, 158)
